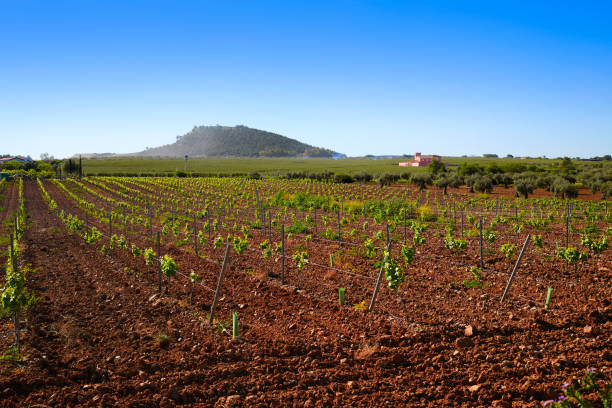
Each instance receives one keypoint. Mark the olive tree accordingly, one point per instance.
(524, 185)
(422, 180)
(483, 184)
(563, 188)
(448, 180)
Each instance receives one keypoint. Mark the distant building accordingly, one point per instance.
(19, 159)
(421, 161)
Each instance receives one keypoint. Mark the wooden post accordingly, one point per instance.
(258, 203)
(86, 226)
(461, 224)
(480, 228)
(209, 227)
(404, 224)
(282, 254)
(264, 226)
(12, 253)
(339, 232)
(195, 235)
(159, 273)
(110, 231)
(218, 289)
(567, 227)
(377, 286)
(515, 268)
(270, 228)
(515, 213)
(315, 221)
(388, 239)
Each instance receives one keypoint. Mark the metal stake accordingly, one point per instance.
(515, 268)
(218, 289)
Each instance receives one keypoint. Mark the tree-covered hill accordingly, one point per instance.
(237, 141)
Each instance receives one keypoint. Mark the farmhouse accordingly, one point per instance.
(19, 159)
(421, 161)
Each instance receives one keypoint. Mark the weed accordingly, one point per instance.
(163, 340)
(12, 355)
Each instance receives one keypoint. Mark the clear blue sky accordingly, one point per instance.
(379, 77)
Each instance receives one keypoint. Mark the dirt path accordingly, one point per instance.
(8, 205)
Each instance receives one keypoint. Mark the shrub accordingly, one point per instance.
(369, 248)
(168, 266)
(537, 241)
(113, 241)
(363, 177)
(135, 251)
(301, 257)
(418, 238)
(509, 250)
(571, 255)
(93, 236)
(298, 227)
(394, 273)
(597, 246)
(574, 393)
(476, 280)
(240, 245)
(454, 244)
(490, 236)
(149, 256)
(408, 254)
(343, 178)
(122, 242)
(218, 242)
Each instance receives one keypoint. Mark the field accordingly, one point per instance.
(437, 333)
(272, 166)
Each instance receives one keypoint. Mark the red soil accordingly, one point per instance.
(101, 336)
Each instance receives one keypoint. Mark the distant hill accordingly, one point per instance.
(237, 141)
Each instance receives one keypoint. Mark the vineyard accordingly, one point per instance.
(145, 291)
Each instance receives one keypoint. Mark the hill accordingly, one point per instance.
(237, 141)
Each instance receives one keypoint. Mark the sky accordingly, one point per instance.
(359, 77)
